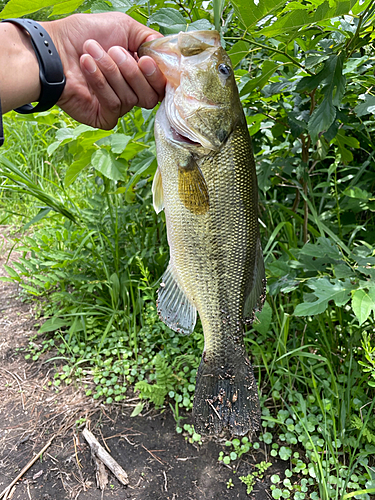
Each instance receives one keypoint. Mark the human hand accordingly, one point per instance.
(104, 79)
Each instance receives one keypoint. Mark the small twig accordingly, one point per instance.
(98, 450)
(105, 444)
(26, 468)
(19, 385)
(76, 453)
(212, 406)
(120, 435)
(11, 493)
(28, 490)
(154, 456)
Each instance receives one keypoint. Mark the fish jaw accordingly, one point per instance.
(199, 100)
(165, 53)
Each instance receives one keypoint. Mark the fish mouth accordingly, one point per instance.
(169, 53)
(183, 43)
(177, 137)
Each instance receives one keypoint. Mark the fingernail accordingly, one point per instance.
(148, 67)
(119, 55)
(95, 50)
(89, 64)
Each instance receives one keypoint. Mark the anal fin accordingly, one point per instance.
(174, 308)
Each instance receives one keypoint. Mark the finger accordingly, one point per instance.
(138, 34)
(146, 95)
(153, 75)
(110, 70)
(109, 103)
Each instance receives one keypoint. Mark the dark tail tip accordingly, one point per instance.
(226, 397)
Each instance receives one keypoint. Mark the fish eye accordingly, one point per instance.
(224, 70)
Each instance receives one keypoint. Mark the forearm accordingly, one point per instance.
(19, 68)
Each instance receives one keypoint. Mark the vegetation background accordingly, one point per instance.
(94, 250)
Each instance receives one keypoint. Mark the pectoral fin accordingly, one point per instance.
(192, 188)
(174, 308)
(157, 192)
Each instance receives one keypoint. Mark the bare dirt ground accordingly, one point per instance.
(160, 463)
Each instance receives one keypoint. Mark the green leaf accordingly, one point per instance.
(119, 142)
(144, 164)
(66, 7)
(100, 6)
(200, 24)
(40, 215)
(53, 324)
(325, 290)
(122, 5)
(12, 273)
(357, 193)
(268, 69)
(250, 12)
(331, 75)
(19, 8)
(238, 52)
(263, 319)
(309, 83)
(115, 288)
(367, 107)
(218, 10)
(298, 18)
(106, 163)
(363, 303)
(342, 142)
(170, 20)
(322, 118)
(31, 289)
(76, 168)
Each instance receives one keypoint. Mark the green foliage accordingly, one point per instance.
(156, 393)
(251, 478)
(240, 447)
(192, 437)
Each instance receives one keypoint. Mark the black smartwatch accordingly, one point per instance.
(51, 71)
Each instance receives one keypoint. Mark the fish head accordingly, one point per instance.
(201, 101)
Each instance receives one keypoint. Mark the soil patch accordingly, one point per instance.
(160, 463)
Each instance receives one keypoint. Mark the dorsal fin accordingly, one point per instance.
(174, 308)
(192, 187)
(255, 292)
(157, 192)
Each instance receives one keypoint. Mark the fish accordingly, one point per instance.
(206, 183)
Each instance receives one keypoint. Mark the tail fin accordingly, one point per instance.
(226, 397)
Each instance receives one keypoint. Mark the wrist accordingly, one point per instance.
(19, 68)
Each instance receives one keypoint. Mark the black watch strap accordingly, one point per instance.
(51, 71)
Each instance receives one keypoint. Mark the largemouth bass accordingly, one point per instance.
(206, 183)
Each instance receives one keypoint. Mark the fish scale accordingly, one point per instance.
(208, 190)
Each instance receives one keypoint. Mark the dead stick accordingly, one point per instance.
(154, 456)
(26, 468)
(105, 457)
